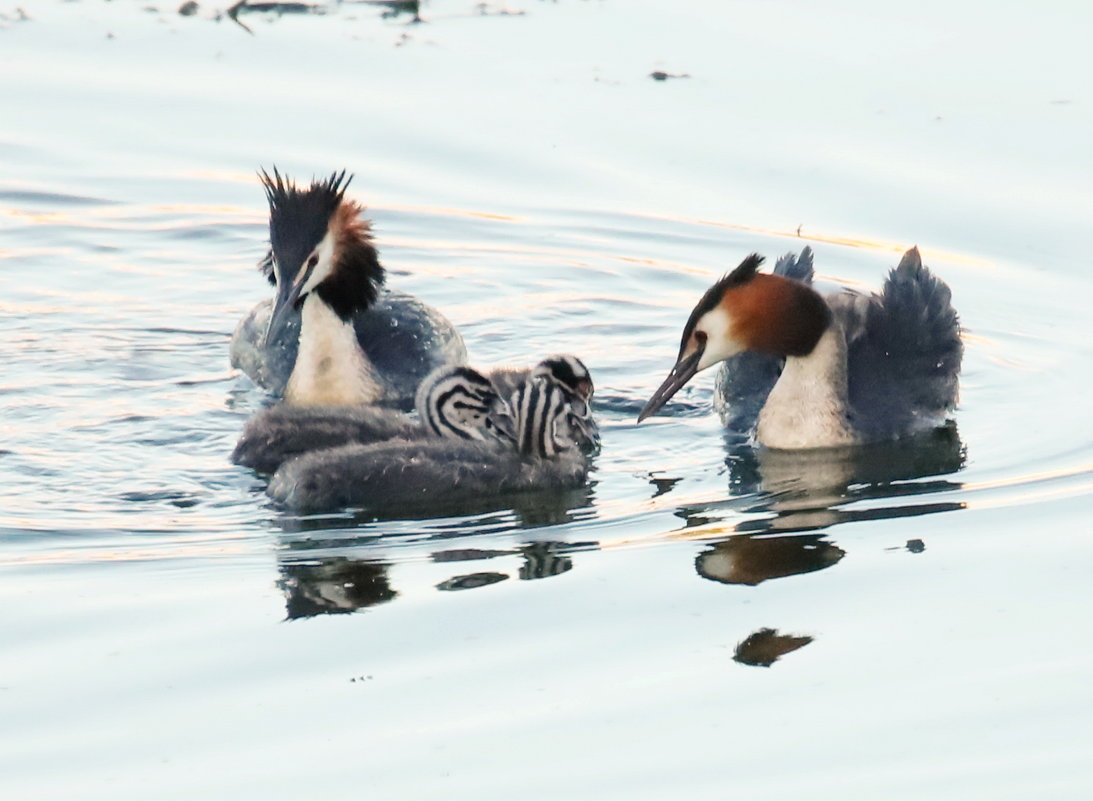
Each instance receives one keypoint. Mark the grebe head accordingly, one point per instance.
(318, 243)
(569, 372)
(459, 402)
(545, 424)
(745, 310)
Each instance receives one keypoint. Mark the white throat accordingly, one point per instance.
(808, 406)
(331, 369)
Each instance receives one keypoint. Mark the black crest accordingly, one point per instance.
(298, 221)
(746, 271)
(298, 218)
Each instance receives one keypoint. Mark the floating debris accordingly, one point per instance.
(395, 7)
(659, 75)
(188, 9)
(485, 10)
(914, 546)
(274, 8)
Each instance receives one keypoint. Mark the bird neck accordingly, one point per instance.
(807, 408)
(331, 369)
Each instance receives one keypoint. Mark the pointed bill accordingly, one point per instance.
(283, 306)
(683, 372)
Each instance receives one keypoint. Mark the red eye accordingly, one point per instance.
(312, 261)
(700, 337)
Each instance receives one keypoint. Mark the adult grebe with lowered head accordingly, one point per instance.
(857, 368)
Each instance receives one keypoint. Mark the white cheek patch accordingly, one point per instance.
(325, 265)
(720, 345)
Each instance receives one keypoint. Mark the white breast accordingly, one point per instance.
(808, 406)
(331, 368)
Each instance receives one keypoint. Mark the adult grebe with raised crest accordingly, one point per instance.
(334, 334)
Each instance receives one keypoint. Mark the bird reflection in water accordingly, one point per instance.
(337, 585)
(539, 560)
(802, 491)
(814, 489)
(767, 646)
(471, 581)
(530, 509)
(544, 560)
(750, 560)
(342, 584)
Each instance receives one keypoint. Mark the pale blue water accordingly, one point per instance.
(167, 632)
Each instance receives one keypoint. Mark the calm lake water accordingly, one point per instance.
(167, 633)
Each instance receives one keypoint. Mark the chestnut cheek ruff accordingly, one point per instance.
(776, 315)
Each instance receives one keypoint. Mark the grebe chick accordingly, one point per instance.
(418, 473)
(333, 334)
(452, 401)
(858, 368)
(571, 376)
(564, 369)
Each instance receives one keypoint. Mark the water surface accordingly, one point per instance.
(702, 621)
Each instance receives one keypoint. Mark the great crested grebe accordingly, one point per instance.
(452, 401)
(331, 308)
(543, 451)
(857, 368)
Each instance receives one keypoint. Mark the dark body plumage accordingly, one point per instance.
(281, 432)
(539, 447)
(452, 401)
(418, 475)
(904, 351)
